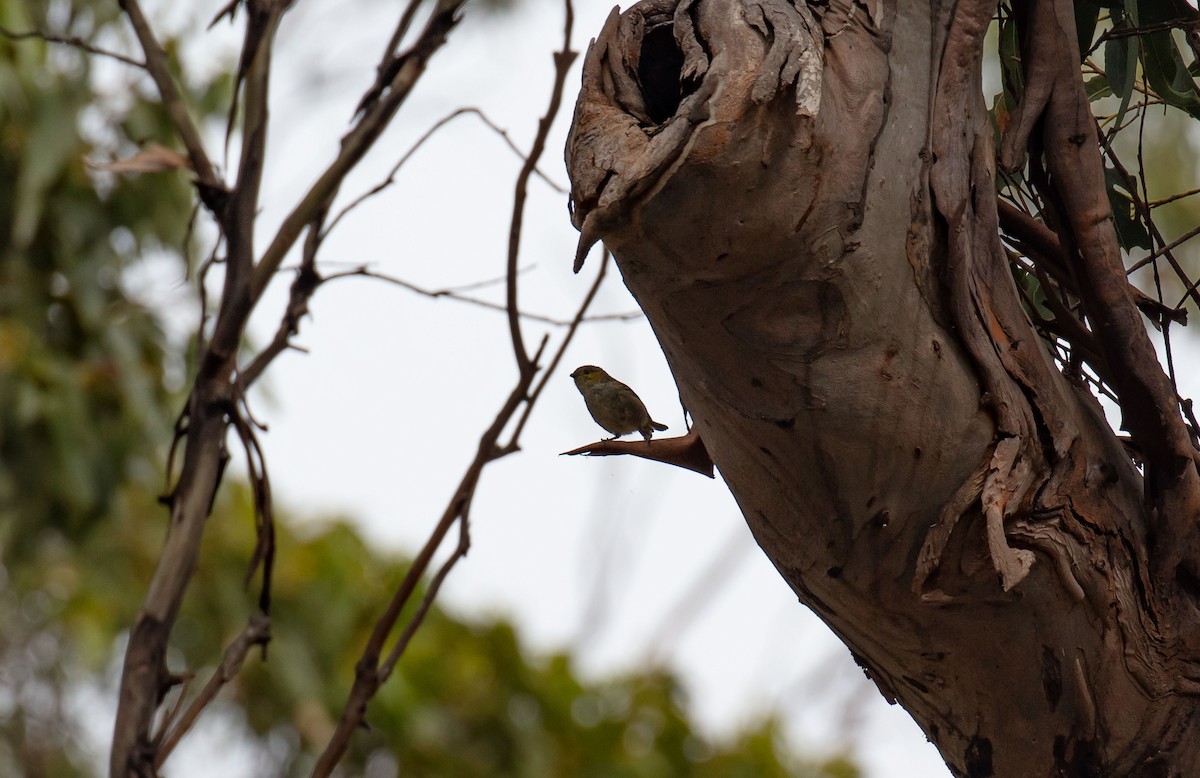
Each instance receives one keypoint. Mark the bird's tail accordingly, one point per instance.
(657, 426)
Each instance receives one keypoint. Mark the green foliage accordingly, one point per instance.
(1146, 101)
(82, 401)
(465, 700)
(1140, 63)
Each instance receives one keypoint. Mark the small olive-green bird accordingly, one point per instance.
(614, 405)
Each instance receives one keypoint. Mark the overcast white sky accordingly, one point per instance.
(379, 419)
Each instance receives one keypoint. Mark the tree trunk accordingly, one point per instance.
(802, 200)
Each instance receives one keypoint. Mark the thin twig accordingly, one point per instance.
(1180, 23)
(357, 142)
(390, 62)
(1172, 198)
(435, 585)
(391, 176)
(451, 294)
(157, 65)
(580, 317)
(264, 505)
(1152, 228)
(303, 286)
(74, 41)
(1165, 250)
(562, 63)
(256, 632)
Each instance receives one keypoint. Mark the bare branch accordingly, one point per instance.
(686, 451)
(257, 632)
(435, 585)
(370, 672)
(303, 286)
(156, 65)
(358, 141)
(562, 63)
(391, 177)
(1165, 251)
(1172, 198)
(385, 71)
(73, 41)
(452, 294)
(264, 506)
(562, 348)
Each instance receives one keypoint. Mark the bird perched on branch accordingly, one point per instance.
(614, 405)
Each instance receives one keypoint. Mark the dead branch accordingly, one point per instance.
(208, 183)
(440, 123)
(72, 41)
(574, 325)
(562, 62)
(452, 294)
(686, 451)
(257, 632)
(215, 402)
(358, 141)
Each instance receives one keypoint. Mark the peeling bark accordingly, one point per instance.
(801, 198)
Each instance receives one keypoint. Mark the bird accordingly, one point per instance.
(613, 405)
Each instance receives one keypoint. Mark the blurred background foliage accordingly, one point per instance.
(86, 411)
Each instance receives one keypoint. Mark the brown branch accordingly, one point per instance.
(144, 677)
(257, 632)
(1172, 198)
(562, 63)
(451, 294)
(1165, 251)
(368, 676)
(390, 62)
(209, 184)
(1180, 23)
(580, 317)
(303, 286)
(264, 505)
(686, 451)
(73, 41)
(257, 48)
(391, 176)
(431, 592)
(357, 142)
(1039, 242)
(214, 401)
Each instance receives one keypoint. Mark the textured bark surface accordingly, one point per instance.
(801, 198)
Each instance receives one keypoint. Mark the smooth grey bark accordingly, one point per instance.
(809, 222)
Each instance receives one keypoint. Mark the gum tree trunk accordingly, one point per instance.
(802, 200)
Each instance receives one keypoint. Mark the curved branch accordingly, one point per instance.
(562, 64)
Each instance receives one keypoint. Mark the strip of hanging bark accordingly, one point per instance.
(686, 451)
(982, 301)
